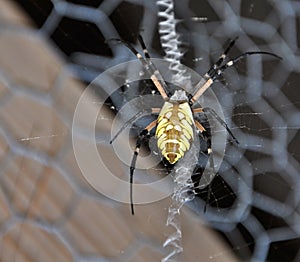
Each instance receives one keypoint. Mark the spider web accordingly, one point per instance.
(255, 205)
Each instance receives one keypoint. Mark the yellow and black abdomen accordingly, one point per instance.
(175, 130)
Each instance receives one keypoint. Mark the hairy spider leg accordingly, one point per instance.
(155, 71)
(221, 121)
(214, 114)
(198, 125)
(212, 174)
(143, 45)
(156, 77)
(217, 70)
(209, 149)
(210, 154)
(206, 82)
(135, 117)
(235, 60)
(223, 56)
(212, 171)
(144, 133)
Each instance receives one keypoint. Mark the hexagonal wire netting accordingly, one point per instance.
(255, 199)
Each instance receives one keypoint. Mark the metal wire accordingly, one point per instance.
(259, 97)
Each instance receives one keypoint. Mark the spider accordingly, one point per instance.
(176, 123)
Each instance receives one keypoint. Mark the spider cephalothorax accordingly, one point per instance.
(176, 124)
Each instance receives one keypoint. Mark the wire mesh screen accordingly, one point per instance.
(254, 204)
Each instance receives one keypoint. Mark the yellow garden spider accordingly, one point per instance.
(176, 124)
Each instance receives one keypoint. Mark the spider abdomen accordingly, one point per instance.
(174, 131)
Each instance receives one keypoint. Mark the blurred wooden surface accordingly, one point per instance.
(48, 212)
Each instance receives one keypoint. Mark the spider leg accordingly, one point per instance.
(217, 69)
(201, 87)
(156, 77)
(145, 132)
(197, 110)
(207, 81)
(210, 158)
(199, 126)
(232, 62)
(135, 117)
(212, 175)
(143, 45)
(216, 116)
(221, 121)
(222, 57)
